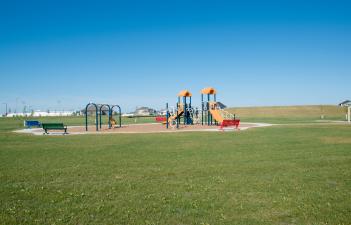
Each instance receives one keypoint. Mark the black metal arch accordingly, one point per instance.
(109, 114)
(96, 116)
(119, 112)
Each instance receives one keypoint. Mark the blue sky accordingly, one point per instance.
(63, 54)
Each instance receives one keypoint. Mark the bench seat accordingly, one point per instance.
(160, 119)
(54, 126)
(230, 123)
(32, 123)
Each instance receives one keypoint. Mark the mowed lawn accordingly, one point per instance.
(289, 174)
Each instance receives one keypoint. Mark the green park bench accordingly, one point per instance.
(54, 126)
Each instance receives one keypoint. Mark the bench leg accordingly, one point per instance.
(221, 127)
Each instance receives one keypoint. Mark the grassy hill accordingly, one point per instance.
(306, 113)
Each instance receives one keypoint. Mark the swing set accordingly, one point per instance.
(99, 109)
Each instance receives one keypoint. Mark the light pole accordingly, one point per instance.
(17, 99)
(24, 107)
(30, 109)
(5, 108)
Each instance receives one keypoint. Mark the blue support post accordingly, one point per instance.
(96, 116)
(184, 113)
(177, 120)
(86, 118)
(96, 119)
(202, 109)
(208, 110)
(120, 116)
(109, 110)
(100, 117)
(119, 112)
(109, 118)
(167, 115)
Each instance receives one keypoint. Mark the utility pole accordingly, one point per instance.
(17, 99)
(5, 108)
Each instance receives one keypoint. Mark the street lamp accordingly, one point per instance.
(17, 99)
(6, 108)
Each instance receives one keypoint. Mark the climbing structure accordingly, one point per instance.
(183, 109)
(211, 112)
(208, 96)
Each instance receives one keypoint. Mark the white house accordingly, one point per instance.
(144, 111)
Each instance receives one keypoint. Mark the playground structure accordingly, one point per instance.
(211, 112)
(208, 107)
(183, 108)
(99, 109)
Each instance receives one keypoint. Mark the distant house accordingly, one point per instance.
(144, 111)
(128, 114)
(39, 113)
(162, 112)
(345, 103)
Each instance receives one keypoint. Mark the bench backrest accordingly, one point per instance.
(32, 123)
(52, 125)
(231, 122)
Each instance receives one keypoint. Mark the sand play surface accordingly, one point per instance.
(143, 128)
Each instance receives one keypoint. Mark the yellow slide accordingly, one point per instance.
(170, 119)
(216, 115)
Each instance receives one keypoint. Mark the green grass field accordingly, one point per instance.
(285, 174)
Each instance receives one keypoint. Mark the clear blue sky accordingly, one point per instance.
(63, 54)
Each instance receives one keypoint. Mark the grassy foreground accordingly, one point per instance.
(296, 174)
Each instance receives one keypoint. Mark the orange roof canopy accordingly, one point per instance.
(184, 93)
(209, 91)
